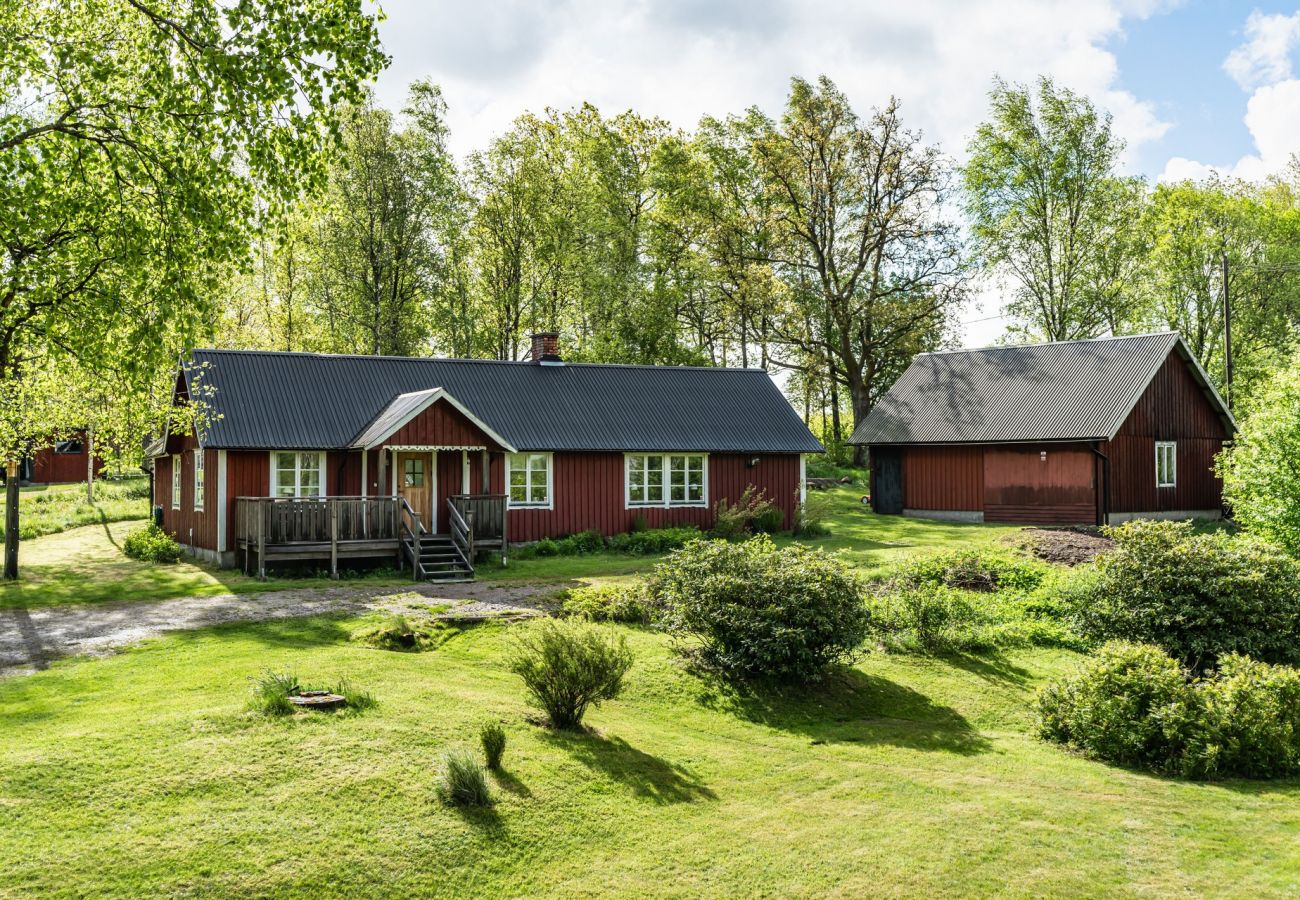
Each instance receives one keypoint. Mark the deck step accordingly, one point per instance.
(439, 559)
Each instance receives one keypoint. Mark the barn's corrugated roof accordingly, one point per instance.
(267, 400)
(1070, 390)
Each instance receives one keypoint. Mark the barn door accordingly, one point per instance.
(887, 480)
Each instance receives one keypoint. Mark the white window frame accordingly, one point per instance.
(528, 481)
(200, 480)
(176, 481)
(1172, 447)
(297, 476)
(667, 502)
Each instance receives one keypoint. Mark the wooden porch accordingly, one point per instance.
(283, 529)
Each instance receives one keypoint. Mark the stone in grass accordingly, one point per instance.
(317, 700)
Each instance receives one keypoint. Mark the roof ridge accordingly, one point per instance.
(1095, 340)
(460, 359)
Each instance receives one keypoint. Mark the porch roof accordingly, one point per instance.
(405, 407)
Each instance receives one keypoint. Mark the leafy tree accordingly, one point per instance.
(1046, 208)
(138, 140)
(1261, 470)
(871, 265)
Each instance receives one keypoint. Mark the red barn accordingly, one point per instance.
(63, 462)
(1076, 432)
(314, 456)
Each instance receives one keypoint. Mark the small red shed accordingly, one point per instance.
(1075, 432)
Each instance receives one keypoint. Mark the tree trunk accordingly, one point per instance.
(90, 464)
(11, 521)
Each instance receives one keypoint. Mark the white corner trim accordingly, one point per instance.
(803, 478)
(221, 501)
(550, 481)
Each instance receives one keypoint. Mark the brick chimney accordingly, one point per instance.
(546, 349)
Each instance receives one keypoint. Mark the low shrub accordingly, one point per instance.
(271, 693)
(493, 738)
(626, 603)
(975, 569)
(151, 544)
(1197, 596)
(753, 609)
(464, 782)
(811, 515)
(752, 513)
(930, 618)
(570, 666)
(1135, 705)
(652, 541)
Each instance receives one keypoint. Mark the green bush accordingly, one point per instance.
(626, 603)
(930, 618)
(463, 781)
(271, 693)
(654, 540)
(151, 544)
(1197, 596)
(752, 513)
(811, 515)
(975, 569)
(1128, 706)
(752, 609)
(1133, 704)
(1260, 478)
(493, 738)
(569, 666)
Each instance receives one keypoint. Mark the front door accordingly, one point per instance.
(415, 479)
(887, 481)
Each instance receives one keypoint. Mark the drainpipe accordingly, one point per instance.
(1103, 500)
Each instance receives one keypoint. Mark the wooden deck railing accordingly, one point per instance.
(294, 520)
(483, 517)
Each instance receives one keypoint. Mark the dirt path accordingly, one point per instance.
(30, 639)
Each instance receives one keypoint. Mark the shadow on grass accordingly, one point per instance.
(850, 706)
(300, 633)
(510, 783)
(648, 776)
(991, 667)
(485, 818)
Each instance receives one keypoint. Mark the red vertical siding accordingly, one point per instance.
(1023, 485)
(441, 425)
(248, 474)
(943, 478)
(1173, 408)
(197, 528)
(49, 467)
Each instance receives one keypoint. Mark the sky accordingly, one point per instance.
(1195, 87)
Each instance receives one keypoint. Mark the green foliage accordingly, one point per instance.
(357, 699)
(753, 609)
(1134, 705)
(751, 513)
(1260, 478)
(626, 603)
(271, 693)
(976, 569)
(493, 738)
(1127, 706)
(810, 516)
(396, 632)
(463, 782)
(653, 540)
(1197, 596)
(57, 508)
(569, 666)
(151, 544)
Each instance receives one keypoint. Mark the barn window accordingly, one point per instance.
(297, 473)
(666, 479)
(198, 481)
(1166, 464)
(529, 478)
(69, 448)
(176, 481)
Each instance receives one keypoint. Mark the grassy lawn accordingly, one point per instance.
(140, 774)
(51, 509)
(86, 565)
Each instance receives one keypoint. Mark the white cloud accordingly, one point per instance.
(1265, 58)
(1261, 65)
(680, 59)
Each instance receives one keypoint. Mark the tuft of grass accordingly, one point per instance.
(395, 632)
(464, 782)
(493, 738)
(356, 698)
(271, 693)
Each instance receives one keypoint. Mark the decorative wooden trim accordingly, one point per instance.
(221, 501)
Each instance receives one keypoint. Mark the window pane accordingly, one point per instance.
(285, 461)
(678, 494)
(518, 493)
(518, 477)
(537, 464)
(655, 463)
(538, 494)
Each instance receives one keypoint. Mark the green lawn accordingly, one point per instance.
(86, 565)
(50, 509)
(141, 775)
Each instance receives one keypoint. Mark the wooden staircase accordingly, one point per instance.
(436, 557)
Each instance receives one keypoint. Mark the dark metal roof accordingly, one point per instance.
(1071, 390)
(265, 400)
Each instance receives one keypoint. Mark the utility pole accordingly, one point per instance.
(11, 520)
(1227, 336)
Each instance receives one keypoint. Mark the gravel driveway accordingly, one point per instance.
(29, 639)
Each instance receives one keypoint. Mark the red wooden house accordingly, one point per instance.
(63, 462)
(1077, 432)
(312, 456)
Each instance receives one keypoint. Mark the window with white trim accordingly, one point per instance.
(297, 473)
(528, 479)
(176, 481)
(666, 479)
(198, 481)
(1166, 464)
